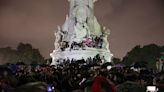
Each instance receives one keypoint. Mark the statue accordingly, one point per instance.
(82, 2)
(57, 46)
(81, 12)
(105, 34)
(59, 38)
(84, 6)
(81, 36)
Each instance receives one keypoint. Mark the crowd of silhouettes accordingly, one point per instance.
(76, 77)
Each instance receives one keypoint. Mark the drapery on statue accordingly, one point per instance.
(81, 11)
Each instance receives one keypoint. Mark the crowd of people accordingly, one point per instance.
(92, 42)
(96, 59)
(78, 77)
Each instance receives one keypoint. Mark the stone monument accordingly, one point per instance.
(81, 36)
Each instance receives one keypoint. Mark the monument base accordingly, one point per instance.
(90, 53)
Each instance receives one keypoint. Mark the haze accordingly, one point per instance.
(132, 22)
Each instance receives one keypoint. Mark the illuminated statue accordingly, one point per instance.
(81, 36)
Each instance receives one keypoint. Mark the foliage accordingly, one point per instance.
(8, 55)
(116, 60)
(48, 61)
(27, 53)
(23, 53)
(148, 54)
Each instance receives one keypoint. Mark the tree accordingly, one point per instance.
(132, 56)
(116, 60)
(148, 53)
(48, 61)
(29, 55)
(8, 55)
(23, 53)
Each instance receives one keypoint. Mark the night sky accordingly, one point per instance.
(132, 22)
